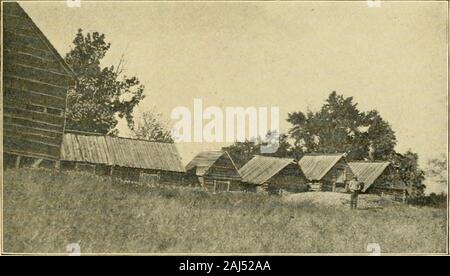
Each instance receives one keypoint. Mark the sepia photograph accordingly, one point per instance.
(224, 128)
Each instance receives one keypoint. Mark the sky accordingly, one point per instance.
(290, 55)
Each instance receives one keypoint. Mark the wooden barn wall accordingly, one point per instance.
(327, 181)
(290, 179)
(223, 169)
(34, 89)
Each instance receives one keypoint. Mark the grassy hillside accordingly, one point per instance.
(44, 211)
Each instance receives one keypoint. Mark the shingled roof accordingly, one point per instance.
(368, 172)
(316, 166)
(124, 152)
(261, 168)
(204, 162)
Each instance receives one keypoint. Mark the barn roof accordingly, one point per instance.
(123, 152)
(203, 161)
(316, 166)
(17, 22)
(368, 172)
(261, 168)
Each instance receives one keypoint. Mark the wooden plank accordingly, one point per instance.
(33, 85)
(18, 161)
(30, 147)
(13, 21)
(20, 98)
(17, 25)
(34, 115)
(9, 119)
(34, 137)
(35, 73)
(28, 49)
(25, 40)
(33, 130)
(16, 56)
(27, 154)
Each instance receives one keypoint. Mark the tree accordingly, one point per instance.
(408, 171)
(100, 95)
(436, 173)
(152, 127)
(340, 127)
(242, 152)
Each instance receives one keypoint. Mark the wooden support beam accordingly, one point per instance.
(37, 162)
(18, 161)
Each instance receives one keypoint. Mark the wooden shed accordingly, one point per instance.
(380, 178)
(272, 175)
(215, 171)
(124, 158)
(326, 172)
(35, 84)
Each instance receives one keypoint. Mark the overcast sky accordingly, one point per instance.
(290, 55)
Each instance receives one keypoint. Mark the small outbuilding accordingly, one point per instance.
(123, 158)
(326, 172)
(380, 178)
(272, 175)
(214, 170)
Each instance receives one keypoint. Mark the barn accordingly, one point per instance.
(272, 175)
(123, 158)
(35, 84)
(326, 172)
(215, 171)
(380, 178)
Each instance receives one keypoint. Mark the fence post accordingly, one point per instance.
(18, 161)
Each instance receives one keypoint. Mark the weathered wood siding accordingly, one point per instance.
(341, 173)
(223, 169)
(289, 179)
(35, 84)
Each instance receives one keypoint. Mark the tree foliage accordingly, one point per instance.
(408, 170)
(242, 152)
(152, 127)
(436, 172)
(101, 94)
(340, 127)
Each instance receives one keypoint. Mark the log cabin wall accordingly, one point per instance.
(341, 173)
(35, 84)
(223, 169)
(290, 179)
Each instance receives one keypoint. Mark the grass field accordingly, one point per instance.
(44, 211)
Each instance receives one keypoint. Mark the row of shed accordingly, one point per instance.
(313, 172)
(35, 84)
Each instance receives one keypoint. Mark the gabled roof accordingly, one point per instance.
(316, 166)
(123, 152)
(368, 172)
(203, 161)
(18, 23)
(261, 168)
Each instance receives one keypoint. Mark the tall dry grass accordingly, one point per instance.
(45, 211)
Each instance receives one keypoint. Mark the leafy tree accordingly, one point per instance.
(436, 172)
(101, 94)
(242, 152)
(340, 127)
(408, 170)
(152, 127)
